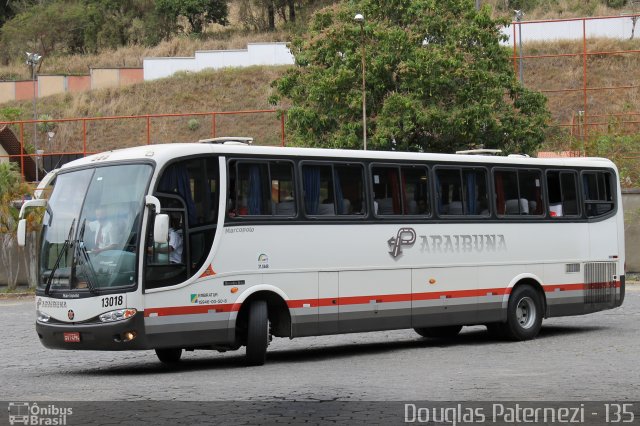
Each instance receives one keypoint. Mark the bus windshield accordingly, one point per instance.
(91, 228)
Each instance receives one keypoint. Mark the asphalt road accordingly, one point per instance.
(591, 357)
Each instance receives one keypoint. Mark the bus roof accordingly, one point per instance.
(163, 153)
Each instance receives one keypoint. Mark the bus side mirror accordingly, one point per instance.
(161, 228)
(22, 232)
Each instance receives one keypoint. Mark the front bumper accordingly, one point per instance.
(94, 336)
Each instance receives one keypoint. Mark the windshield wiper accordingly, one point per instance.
(65, 246)
(86, 260)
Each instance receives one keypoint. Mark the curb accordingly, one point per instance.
(8, 296)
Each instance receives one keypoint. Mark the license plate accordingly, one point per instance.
(73, 337)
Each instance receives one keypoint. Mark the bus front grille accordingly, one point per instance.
(600, 282)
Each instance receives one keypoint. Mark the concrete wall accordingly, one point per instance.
(254, 54)
(47, 85)
(102, 78)
(7, 91)
(24, 90)
(631, 205)
(51, 85)
(618, 28)
(78, 83)
(130, 76)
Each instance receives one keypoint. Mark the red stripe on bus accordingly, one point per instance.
(363, 300)
(186, 310)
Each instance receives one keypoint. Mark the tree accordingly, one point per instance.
(261, 14)
(437, 79)
(55, 25)
(197, 12)
(11, 188)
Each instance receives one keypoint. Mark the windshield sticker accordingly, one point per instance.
(407, 237)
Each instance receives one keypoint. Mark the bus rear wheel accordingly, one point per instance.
(439, 332)
(169, 356)
(524, 314)
(257, 333)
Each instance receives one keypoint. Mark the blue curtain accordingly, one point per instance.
(254, 203)
(471, 193)
(339, 196)
(176, 179)
(311, 184)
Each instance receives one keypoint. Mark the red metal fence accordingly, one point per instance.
(592, 116)
(83, 140)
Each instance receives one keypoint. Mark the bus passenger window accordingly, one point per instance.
(317, 184)
(462, 192)
(283, 200)
(349, 191)
(518, 192)
(415, 191)
(386, 191)
(252, 190)
(598, 195)
(400, 190)
(563, 195)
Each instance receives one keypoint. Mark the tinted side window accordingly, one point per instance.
(350, 198)
(462, 191)
(563, 193)
(400, 190)
(598, 193)
(518, 192)
(263, 188)
(283, 192)
(333, 189)
(317, 184)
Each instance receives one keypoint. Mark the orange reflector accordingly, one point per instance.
(234, 289)
(432, 281)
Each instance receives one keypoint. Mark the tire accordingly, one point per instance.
(524, 314)
(257, 333)
(439, 332)
(169, 356)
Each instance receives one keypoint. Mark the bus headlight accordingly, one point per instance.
(117, 315)
(42, 317)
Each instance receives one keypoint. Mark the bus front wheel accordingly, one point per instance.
(524, 314)
(439, 332)
(257, 333)
(169, 356)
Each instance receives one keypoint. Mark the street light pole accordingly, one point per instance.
(359, 18)
(33, 59)
(519, 15)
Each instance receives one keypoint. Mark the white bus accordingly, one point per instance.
(224, 245)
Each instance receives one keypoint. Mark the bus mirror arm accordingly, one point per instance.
(21, 234)
(150, 200)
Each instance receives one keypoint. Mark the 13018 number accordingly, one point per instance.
(110, 301)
